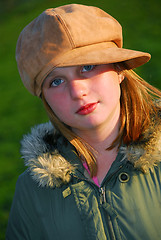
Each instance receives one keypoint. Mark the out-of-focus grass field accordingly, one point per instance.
(141, 20)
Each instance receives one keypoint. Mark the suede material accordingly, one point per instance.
(70, 35)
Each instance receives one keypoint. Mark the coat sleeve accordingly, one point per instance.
(23, 223)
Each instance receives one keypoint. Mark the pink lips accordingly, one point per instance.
(84, 110)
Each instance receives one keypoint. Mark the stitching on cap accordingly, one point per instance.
(60, 19)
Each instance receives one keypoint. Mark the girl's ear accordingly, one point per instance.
(121, 77)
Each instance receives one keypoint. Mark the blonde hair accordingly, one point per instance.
(137, 108)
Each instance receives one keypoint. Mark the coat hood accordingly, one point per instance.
(50, 165)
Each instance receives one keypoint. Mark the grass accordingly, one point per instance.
(19, 110)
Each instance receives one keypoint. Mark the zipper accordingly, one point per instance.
(102, 195)
(102, 192)
(102, 198)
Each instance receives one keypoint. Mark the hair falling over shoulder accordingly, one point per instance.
(138, 107)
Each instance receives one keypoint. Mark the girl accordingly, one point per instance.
(94, 173)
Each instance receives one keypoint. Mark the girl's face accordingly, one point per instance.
(84, 97)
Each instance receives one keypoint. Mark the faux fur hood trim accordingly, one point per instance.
(49, 168)
(145, 154)
(44, 162)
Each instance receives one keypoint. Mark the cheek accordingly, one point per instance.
(62, 109)
(56, 102)
(110, 90)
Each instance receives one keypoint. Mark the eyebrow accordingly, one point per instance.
(50, 74)
(54, 71)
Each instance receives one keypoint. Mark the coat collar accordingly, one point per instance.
(52, 160)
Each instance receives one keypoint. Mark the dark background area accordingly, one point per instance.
(19, 110)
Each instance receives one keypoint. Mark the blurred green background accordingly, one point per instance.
(141, 20)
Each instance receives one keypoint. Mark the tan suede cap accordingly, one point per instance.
(70, 35)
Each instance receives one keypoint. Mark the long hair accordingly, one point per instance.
(137, 108)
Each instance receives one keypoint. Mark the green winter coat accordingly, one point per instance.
(55, 199)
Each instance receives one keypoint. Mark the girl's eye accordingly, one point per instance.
(87, 68)
(56, 82)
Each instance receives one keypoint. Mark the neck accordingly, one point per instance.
(102, 137)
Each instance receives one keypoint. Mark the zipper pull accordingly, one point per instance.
(102, 195)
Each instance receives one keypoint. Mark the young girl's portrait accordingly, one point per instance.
(93, 171)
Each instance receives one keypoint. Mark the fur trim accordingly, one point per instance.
(49, 168)
(45, 164)
(146, 154)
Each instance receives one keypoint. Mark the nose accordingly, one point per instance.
(78, 89)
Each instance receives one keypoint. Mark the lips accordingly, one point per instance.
(87, 109)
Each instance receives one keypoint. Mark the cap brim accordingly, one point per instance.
(95, 54)
(84, 56)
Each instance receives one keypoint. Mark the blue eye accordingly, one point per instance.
(87, 68)
(56, 82)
